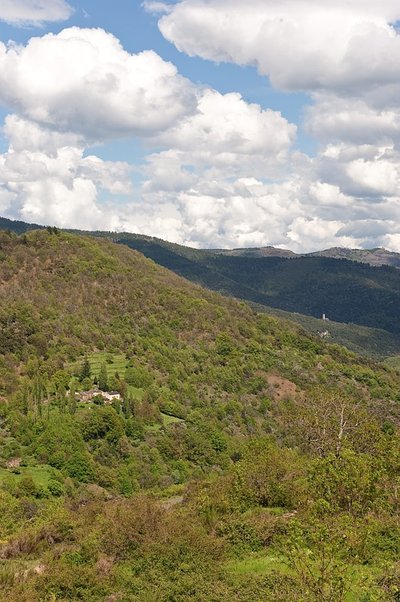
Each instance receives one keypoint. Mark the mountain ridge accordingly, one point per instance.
(309, 285)
(376, 256)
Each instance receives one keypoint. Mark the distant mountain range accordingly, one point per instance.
(357, 290)
(374, 257)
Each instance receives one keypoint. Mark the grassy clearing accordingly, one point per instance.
(167, 419)
(153, 428)
(257, 565)
(114, 363)
(360, 578)
(135, 392)
(41, 474)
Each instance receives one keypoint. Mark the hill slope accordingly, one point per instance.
(345, 291)
(241, 445)
(372, 342)
(349, 293)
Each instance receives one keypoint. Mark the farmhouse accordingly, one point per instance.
(108, 397)
(111, 396)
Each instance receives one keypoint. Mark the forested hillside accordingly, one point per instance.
(346, 291)
(239, 459)
(360, 301)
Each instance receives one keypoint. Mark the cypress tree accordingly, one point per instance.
(85, 370)
(72, 398)
(102, 380)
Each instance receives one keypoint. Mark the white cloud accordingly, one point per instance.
(220, 171)
(156, 8)
(219, 214)
(113, 176)
(376, 177)
(297, 213)
(299, 44)
(104, 91)
(352, 120)
(229, 134)
(50, 181)
(364, 171)
(34, 12)
(25, 135)
(312, 233)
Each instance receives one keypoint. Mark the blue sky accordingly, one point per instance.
(277, 124)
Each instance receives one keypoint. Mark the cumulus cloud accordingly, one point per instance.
(50, 181)
(207, 140)
(376, 177)
(297, 213)
(230, 137)
(104, 92)
(362, 171)
(34, 12)
(299, 44)
(220, 171)
(351, 120)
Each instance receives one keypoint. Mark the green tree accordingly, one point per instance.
(103, 380)
(72, 397)
(85, 370)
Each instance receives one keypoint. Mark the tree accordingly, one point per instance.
(72, 397)
(85, 370)
(324, 422)
(103, 380)
(61, 398)
(318, 555)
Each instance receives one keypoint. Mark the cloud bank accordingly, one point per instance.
(219, 171)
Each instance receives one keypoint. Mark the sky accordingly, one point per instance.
(211, 123)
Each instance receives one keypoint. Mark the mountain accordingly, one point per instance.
(346, 291)
(374, 257)
(239, 458)
(255, 252)
(360, 301)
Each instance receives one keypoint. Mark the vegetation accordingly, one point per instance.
(372, 342)
(360, 301)
(346, 291)
(244, 459)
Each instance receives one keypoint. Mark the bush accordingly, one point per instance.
(55, 488)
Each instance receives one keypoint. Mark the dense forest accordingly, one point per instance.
(240, 458)
(346, 291)
(360, 300)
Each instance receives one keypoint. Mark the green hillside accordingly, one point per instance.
(244, 460)
(372, 342)
(360, 302)
(346, 291)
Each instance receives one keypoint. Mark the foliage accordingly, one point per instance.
(245, 460)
